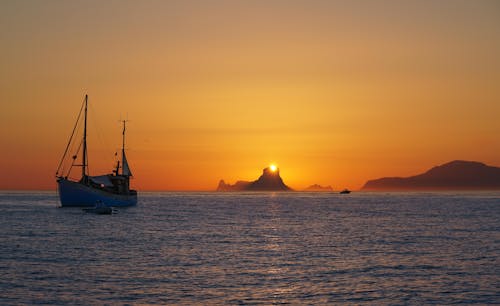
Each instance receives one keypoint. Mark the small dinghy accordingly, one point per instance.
(100, 209)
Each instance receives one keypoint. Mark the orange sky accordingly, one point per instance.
(334, 92)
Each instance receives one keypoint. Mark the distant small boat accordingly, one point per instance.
(111, 189)
(345, 191)
(100, 209)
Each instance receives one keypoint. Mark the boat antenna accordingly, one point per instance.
(123, 135)
(123, 142)
(84, 155)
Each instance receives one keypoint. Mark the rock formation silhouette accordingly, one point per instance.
(239, 186)
(317, 187)
(268, 181)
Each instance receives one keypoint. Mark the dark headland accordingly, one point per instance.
(455, 175)
(269, 181)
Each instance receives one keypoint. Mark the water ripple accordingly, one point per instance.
(251, 249)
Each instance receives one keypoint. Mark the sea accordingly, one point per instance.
(253, 249)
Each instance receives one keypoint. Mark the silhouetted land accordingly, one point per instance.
(455, 175)
(268, 181)
(318, 188)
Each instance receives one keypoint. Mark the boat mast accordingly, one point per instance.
(84, 155)
(123, 144)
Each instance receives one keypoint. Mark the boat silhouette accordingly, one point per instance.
(112, 189)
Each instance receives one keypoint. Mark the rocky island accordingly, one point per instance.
(270, 180)
(319, 188)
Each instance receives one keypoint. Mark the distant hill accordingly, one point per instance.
(455, 175)
(317, 188)
(268, 181)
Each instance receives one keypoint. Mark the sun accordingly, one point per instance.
(273, 167)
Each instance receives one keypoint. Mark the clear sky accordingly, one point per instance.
(333, 92)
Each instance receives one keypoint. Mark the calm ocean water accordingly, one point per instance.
(264, 248)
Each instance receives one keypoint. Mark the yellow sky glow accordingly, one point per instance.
(335, 92)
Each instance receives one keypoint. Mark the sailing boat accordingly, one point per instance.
(110, 189)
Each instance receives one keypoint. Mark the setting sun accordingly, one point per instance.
(273, 168)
